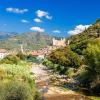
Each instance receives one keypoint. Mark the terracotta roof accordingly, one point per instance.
(3, 51)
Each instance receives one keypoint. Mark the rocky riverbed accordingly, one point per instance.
(48, 84)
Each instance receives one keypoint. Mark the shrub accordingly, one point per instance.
(70, 72)
(65, 57)
(10, 59)
(32, 58)
(48, 64)
(62, 59)
(16, 90)
(90, 77)
(16, 71)
(21, 56)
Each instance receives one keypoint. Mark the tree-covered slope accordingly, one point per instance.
(79, 42)
(28, 40)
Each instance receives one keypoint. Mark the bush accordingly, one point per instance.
(70, 72)
(21, 56)
(62, 59)
(90, 77)
(48, 64)
(65, 57)
(16, 71)
(32, 58)
(15, 90)
(10, 59)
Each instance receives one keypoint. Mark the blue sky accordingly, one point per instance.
(55, 17)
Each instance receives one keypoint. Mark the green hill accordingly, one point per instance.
(29, 41)
(79, 42)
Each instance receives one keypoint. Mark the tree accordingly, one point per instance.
(92, 58)
(98, 20)
(10, 59)
(21, 56)
(90, 78)
(65, 58)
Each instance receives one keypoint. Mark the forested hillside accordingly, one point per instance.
(80, 41)
(80, 60)
(28, 40)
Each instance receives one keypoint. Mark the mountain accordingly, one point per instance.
(5, 35)
(29, 40)
(79, 42)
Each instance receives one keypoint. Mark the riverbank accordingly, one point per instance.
(49, 89)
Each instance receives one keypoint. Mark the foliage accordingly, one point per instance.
(21, 56)
(29, 41)
(90, 77)
(10, 59)
(16, 83)
(31, 58)
(16, 71)
(98, 20)
(65, 57)
(70, 72)
(79, 42)
(15, 90)
(62, 59)
(48, 63)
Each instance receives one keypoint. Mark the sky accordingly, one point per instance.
(54, 17)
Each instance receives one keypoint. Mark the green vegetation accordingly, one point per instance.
(16, 82)
(80, 60)
(79, 42)
(15, 91)
(10, 59)
(90, 78)
(95, 98)
(29, 41)
(31, 58)
(62, 59)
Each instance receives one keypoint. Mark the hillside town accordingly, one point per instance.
(49, 50)
(38, 53)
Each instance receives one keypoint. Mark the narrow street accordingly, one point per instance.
(43, 79)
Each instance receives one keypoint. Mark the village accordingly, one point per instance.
(40, 54)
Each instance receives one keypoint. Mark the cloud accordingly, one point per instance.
(16, 10)
(37, 29)
(56, 31)
(41, 14)
(37, 20)
(24, 21)
(78, 29)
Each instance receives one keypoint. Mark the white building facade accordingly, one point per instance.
(3, 53)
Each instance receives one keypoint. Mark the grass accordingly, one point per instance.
(94, 98)
(20, 72)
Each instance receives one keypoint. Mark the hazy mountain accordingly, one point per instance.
(5, 35)
(30, 40)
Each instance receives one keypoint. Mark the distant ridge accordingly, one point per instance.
(29, 40)
(5, 35)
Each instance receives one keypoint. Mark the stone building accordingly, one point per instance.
(59, 43)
